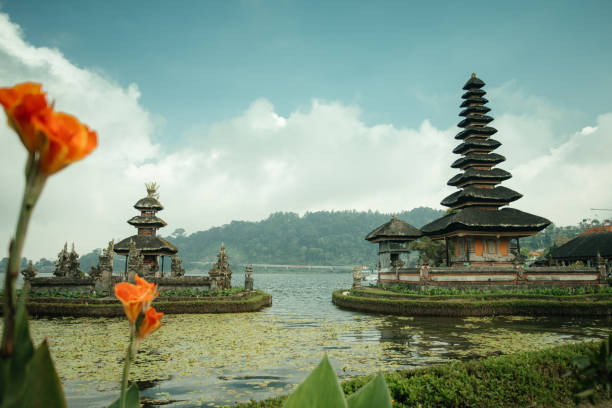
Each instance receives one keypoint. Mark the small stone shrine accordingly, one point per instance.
(67, 264)
(176, 267)
(136, 265)
(29, 272)
(150, 246)
(393, 240)
(221, 271)
(105, 263)
(248, 277)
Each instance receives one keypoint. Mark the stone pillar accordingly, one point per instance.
(176, 267)
(103, 273)
(357, 276)
(248, 278)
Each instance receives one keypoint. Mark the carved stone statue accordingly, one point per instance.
(357, 276)
(105, 262)
(62, 263)
(29, 272)
(74, 267)
(248, 277)
(136, 263)
(221, 271)
(176, 267)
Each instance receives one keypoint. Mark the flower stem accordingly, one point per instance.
(126, 371)
(35, 181)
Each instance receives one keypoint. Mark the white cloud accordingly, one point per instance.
(320, 157)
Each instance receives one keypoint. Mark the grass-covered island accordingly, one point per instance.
(527, 379)
(76, 304)
(397, 300)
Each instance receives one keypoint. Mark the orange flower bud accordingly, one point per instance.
(150, 323)
(59, 138)
(135, 298)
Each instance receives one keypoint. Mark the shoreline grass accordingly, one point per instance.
(527, 379)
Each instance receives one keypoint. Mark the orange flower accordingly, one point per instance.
(22, 103)
(135, 298)
(59, 138)
(150, 323)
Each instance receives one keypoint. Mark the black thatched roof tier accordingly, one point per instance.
(471, 159)
(478, 93)
(147, 244)
(473, 83)
(148, 203)
(395, 229)
(470, 194)
(481, 131)
(479, 220)
(475, 120)
(585, 246)
(481, 144)
(475, 109)
(147, 221)
(479, 175)
(474, 100)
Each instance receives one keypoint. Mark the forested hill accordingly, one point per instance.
(316, 238)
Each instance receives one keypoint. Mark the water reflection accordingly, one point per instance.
(199, 360)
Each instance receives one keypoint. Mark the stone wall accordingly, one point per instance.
(46, 285)
(495, 277)
(89, 285)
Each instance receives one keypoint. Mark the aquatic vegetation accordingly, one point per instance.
(235, 357)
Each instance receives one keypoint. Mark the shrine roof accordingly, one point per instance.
(473, 83)
(475, 109)
(477, 219)
(475, 118)
(146, 221)
(395, 229)
(476, 131)
(490, 144)
(495, 174)
(498, 194)
(147, 244)
(586, 246)
(488, 159)
(473, 100)
(148, 203)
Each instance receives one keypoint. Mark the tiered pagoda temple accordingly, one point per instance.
(147, 223)
(476, 230)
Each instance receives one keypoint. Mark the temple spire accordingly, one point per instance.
(479, 180)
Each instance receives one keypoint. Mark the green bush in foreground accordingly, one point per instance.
(594, 371)
(533, 378)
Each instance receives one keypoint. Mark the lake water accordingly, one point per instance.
(213, 360)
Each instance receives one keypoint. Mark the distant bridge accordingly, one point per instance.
(287, 267)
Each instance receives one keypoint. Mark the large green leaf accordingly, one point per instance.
(42, 383)
(319, 389)
(131, 398)
(13, 368)
(373, 394)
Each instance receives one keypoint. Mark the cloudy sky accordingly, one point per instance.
(243, 108)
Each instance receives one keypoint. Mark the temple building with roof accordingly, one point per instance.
(393, 238)
(591, 247)
(146, 240)
(476, 229)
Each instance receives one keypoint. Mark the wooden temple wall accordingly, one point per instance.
(495, 277)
